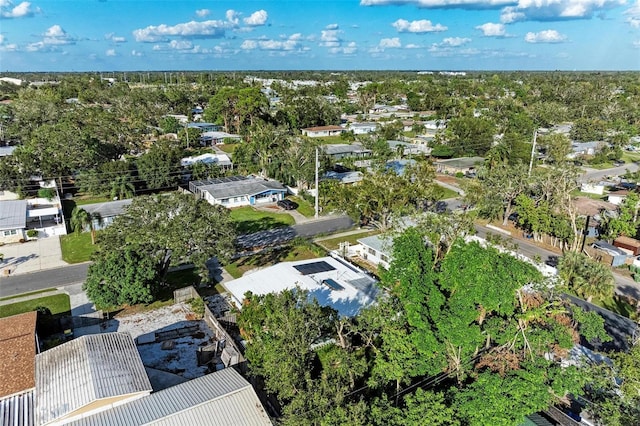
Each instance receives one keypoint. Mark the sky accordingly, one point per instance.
(216, 35)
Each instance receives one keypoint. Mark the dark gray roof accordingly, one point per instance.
(107, 209)
(13, 214)
(239, 188)
(343, 148)
(17, 410)
(220, 398)
(79, 372)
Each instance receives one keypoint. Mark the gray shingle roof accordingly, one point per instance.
(108, 209)
(239, 188)
(86, 369)
(13, 214)
(220, 398)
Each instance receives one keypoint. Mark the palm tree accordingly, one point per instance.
(597, 281)
(122, 188)
(81, 219)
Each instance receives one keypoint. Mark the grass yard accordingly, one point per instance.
(248, 220)
(334, 243)
(57, 304)
(228, 148)
(82, 201)
(448, 193)
(297, 251)
(305, 208)
(27, 294)
(619, 305)
(76, 248)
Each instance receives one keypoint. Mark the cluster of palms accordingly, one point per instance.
(586, 277)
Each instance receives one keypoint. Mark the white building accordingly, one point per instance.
(330, 281)
(237, 191)
(222, 160)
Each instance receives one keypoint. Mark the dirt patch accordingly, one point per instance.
(591, 207)
(447, 179)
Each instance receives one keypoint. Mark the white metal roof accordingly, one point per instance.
(17, 409)
(220, 398)
(87, 369)
(13, 214)
(359, 290)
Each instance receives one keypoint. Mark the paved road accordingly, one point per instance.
(624, 285)
(598, 175)
(75, 274)
(41, 280)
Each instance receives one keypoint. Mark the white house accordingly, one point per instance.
(332, 282)
(237, 191)
(322, 131)
(375, 249)
(217, 138)
(617, 197)
(362, 128)
(221, 160)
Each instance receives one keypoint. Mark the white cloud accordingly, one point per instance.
(233, 16)
(56, 35)
(421, 26)
(390, 43)
(556, 10)
(114, 38)
(633, 15)
(331, 27)
(492, 30)
(204, 29)
(203, 13)
(636, 44)
(22, 10)
(330, 38)
(349, 49)
(249, 45)
(413, 46)
(180, 44)
(110, 52)
(433, 4)
(288, 44)
(256, 19)
(455, 41)
(546, 36)
(1, 38)
(136, 53)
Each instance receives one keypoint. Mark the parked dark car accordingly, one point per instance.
(287, 204)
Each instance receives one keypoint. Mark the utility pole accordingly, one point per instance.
(533, 149)
(317, 188)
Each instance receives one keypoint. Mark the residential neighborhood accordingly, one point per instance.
(334, 248)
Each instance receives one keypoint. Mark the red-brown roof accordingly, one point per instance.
(632, 242)
(17, 353)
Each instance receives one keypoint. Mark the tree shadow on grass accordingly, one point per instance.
(257, 225)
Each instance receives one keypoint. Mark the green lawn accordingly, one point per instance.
(248, 220)
(91, 200)
(57, 304)
(449, 193)
(228, 148)
(304, 207)
(77, 248)
(31, 293)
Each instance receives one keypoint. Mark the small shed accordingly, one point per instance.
(628, 243)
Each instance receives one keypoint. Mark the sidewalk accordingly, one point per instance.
(31, 256)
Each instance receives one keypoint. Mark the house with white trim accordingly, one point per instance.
(237, 191)
(322, 131)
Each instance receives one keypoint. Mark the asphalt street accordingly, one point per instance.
(594, 175)
(75, 274)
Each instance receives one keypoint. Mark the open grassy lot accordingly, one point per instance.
(76, 248)
(57, 304)
(248, 220)
(449, 193)
(228, 148)
(299, 250)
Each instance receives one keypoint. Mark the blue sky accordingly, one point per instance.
(131, 35)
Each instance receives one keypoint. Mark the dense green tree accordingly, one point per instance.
(123, 277)
(172, 229)
(160, 167)
(470, 135)
(586, 277)
(626, 221)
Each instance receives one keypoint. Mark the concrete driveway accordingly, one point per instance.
(31, 256)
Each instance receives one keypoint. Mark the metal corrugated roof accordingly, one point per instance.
(221, 398)
(84, 370)
(17, 410)
(13, 214)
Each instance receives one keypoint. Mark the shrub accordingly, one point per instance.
(47, 193)
(197, 306)
(32, 233)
